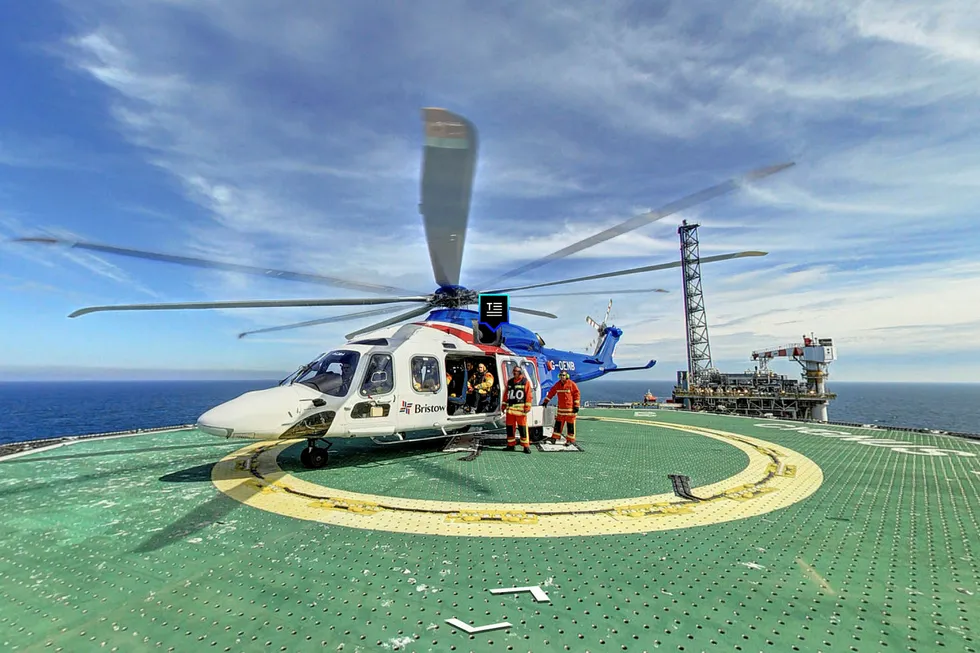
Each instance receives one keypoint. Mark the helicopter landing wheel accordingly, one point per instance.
(314, 457)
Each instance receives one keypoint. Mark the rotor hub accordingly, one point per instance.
(454, 297)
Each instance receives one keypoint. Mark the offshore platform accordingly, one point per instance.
(691, 531)
(757, 392)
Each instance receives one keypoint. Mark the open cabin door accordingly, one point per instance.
(540, 421)
(507, 365)
(468, 399)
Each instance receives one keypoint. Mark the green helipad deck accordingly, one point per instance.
(799, 538)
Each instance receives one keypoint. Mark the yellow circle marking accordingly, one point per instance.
(776, 477)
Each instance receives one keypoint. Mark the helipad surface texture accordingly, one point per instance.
(825, 539)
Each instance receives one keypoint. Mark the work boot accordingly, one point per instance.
(568, 443)
(509, 447)
(527, 449)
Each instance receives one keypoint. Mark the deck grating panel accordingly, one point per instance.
(127, 545)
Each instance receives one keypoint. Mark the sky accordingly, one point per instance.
(289, 135)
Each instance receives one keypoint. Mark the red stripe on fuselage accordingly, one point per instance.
(464, 335)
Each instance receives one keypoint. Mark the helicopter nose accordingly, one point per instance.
(258, 415)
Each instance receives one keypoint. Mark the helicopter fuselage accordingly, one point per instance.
(395, 383)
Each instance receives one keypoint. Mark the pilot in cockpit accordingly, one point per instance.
(346, 376)
(332, 373)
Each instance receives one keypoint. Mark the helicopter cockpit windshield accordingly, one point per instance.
(331, 373)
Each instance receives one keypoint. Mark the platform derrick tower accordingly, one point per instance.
(699, 366)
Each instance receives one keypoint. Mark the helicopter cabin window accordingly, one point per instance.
(378, 378)
(529, 373)
(330, 374)
(425, 374)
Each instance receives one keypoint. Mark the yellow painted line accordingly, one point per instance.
(252, 476)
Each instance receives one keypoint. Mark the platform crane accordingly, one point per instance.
(814, 355)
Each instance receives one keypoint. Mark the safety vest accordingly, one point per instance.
(568, 398)
(518, 397)
(484, 386)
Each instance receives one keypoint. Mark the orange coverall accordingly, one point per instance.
(517, 404)
(568, 405)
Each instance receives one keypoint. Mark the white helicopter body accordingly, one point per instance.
(397, 387)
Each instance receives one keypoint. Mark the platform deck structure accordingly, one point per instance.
(810, 538)
(787, 405)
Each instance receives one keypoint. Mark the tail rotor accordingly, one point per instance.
(600, 329)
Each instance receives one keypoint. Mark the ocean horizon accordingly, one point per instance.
(42, 409)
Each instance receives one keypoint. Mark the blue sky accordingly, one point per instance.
(289, 135)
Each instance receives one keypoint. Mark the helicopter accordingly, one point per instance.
(396, 382)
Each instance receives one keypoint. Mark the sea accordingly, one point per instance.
(34, 410)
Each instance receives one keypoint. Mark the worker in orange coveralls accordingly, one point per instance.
(568, 404)
(517, 404)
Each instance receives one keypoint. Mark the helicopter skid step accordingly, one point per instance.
(470, 418)
(372, 432)
(451, 433)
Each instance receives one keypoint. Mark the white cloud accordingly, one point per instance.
(13, 227)
(17, 284)
(886, 313)
(295, 131)
(947, 30)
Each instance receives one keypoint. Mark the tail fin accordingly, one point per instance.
(608, 337)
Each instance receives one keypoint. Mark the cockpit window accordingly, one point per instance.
(378, 379)
(332, 373)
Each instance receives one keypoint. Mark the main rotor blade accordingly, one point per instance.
(592, 292)
(270, 303)
(606, 275)
(531, 311)
(217, 265)
(325, 320)
(394, 320)
(448, 167)
(644, 219)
